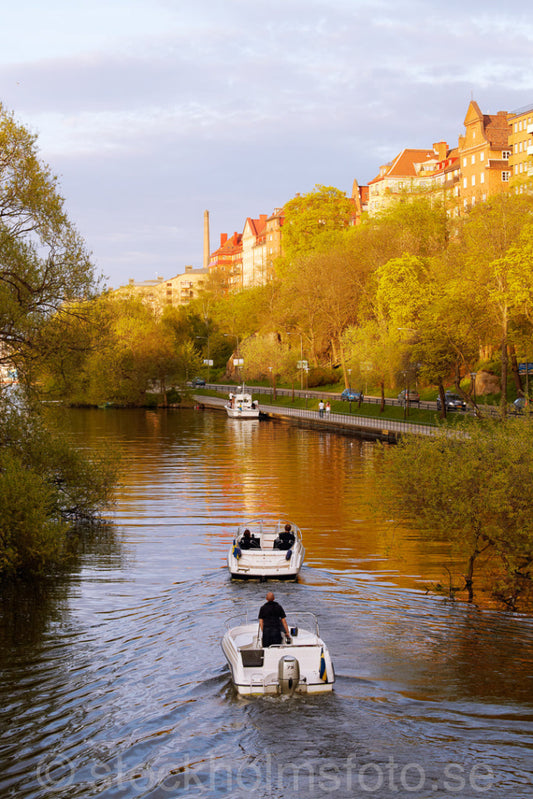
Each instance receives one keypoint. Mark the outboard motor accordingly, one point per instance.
(288, 674)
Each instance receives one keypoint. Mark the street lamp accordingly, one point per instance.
(473, 376)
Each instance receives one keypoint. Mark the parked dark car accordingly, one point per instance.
(351, 396)
(410, 396)
(453, 402)
(198, 381)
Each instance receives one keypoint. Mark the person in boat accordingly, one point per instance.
(248, 541)
(285, 539)
(272, 621)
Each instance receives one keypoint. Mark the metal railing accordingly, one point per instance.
(315, 395)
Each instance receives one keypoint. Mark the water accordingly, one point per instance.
(114, 683)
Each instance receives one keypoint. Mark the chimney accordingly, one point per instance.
(188, 268)
(206, 240)
(441, 150)
(223, 239)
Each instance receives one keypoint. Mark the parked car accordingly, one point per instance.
(453, 402)
(351, 396)
(410, 396)
(198, 381)
(520, 404)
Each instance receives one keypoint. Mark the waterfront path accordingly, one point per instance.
(368, 427)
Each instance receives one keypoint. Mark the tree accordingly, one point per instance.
(312, 221)
(43, 261)
(117, 351)
(475, 490)
(500, 226)
(45, 483)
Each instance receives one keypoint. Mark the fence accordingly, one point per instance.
(363, 425)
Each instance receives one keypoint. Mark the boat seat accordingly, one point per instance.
(252, 657)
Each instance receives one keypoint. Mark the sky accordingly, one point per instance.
(152, 111)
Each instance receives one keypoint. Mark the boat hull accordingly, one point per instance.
(255, 671)
(242, 413)
(266, 562)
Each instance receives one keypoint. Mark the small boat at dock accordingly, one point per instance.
(242, 406)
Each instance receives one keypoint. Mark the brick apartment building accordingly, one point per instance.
(484, 155)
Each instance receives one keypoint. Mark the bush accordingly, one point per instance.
(46, 485)
(321, 376)
(32, 533)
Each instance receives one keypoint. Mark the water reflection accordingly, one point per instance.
(114, 684)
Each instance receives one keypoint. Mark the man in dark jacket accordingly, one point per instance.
(271, 621)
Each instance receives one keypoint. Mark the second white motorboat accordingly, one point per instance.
(301, 664)
(242, 406)
(266, 549)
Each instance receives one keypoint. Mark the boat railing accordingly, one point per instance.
(303, 619)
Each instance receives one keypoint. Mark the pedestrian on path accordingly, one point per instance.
(328, 408)
(321, 408)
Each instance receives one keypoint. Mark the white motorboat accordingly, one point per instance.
(269, 551)
(242, 406)
(300, 664)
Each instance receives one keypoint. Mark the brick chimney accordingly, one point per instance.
(441, 150)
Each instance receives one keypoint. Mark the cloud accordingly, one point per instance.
(151, 111)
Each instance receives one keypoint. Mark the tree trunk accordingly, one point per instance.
(516, 373)
(469, 576)
(442, 400)
(382, 406)
(503, 395)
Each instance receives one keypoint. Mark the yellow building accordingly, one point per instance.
(178, 290)
(181, 289)
(521, 144)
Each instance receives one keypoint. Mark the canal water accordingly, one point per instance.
(113, 682)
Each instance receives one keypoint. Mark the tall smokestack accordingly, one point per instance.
(206, 239)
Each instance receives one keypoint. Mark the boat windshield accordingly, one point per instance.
(301, 619)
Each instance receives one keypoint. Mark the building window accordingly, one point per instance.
(505, 176)
(473, 180)
(473, 158)
(482, 156)
(482, 178)
(506, 155)
(464, 183)
(465, 161)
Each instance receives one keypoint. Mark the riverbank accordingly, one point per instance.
(371, 427)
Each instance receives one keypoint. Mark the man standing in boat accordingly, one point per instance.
(271, 621)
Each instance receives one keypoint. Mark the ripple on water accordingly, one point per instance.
(116, 686)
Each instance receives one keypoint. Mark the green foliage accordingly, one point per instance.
(46, 484)
(313, 220)
(321, 376)
(475, 489)
(43, 262)
(32, 537)
(115, 349)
